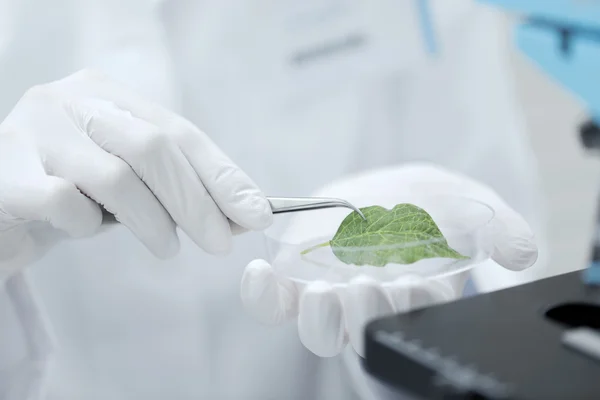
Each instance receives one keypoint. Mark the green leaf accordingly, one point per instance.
(402, 235)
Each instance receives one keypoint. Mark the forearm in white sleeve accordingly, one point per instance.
(25, 341)
(23, 245)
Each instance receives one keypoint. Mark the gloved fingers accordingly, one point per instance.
(514, 242)
(111, 182)
(235, 193)
(364, 300)
(236, 229)
(267, 297)
(53, 200)
(414, 292)
(158, 161)
(321, 325)
(515, 245)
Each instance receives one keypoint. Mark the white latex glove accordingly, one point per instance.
(73, 144)
(327, 318)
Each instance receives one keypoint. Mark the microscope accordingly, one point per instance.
(538, 341)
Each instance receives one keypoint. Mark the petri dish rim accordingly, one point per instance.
(449, 268)
(268, 233)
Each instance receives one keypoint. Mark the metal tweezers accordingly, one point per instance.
(291, 204)
(280, 205)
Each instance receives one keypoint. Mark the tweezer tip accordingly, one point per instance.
(355, 209)
(360, 213)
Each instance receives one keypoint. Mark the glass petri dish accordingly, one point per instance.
(463, 222)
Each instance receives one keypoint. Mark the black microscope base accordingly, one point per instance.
(501, 345)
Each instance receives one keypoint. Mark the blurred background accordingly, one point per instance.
(570, 177)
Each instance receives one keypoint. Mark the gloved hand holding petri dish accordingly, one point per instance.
(425, 229)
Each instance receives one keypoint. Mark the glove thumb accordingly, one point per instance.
(515, 245)
(268, 298)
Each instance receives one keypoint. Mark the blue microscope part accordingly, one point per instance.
(591, 275)
(427, 30)
(572, 58)
(582, 13)
(563, 38)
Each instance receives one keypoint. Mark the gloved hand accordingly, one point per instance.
(327, 318)
(83, 141)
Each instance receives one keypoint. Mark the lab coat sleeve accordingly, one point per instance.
(127, 41)
(25, 340)
(24, 245)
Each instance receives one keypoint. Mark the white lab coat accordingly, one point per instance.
(128, 326)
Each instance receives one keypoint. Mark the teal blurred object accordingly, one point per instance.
(427, 30)
(578, 13)
(563, 38)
